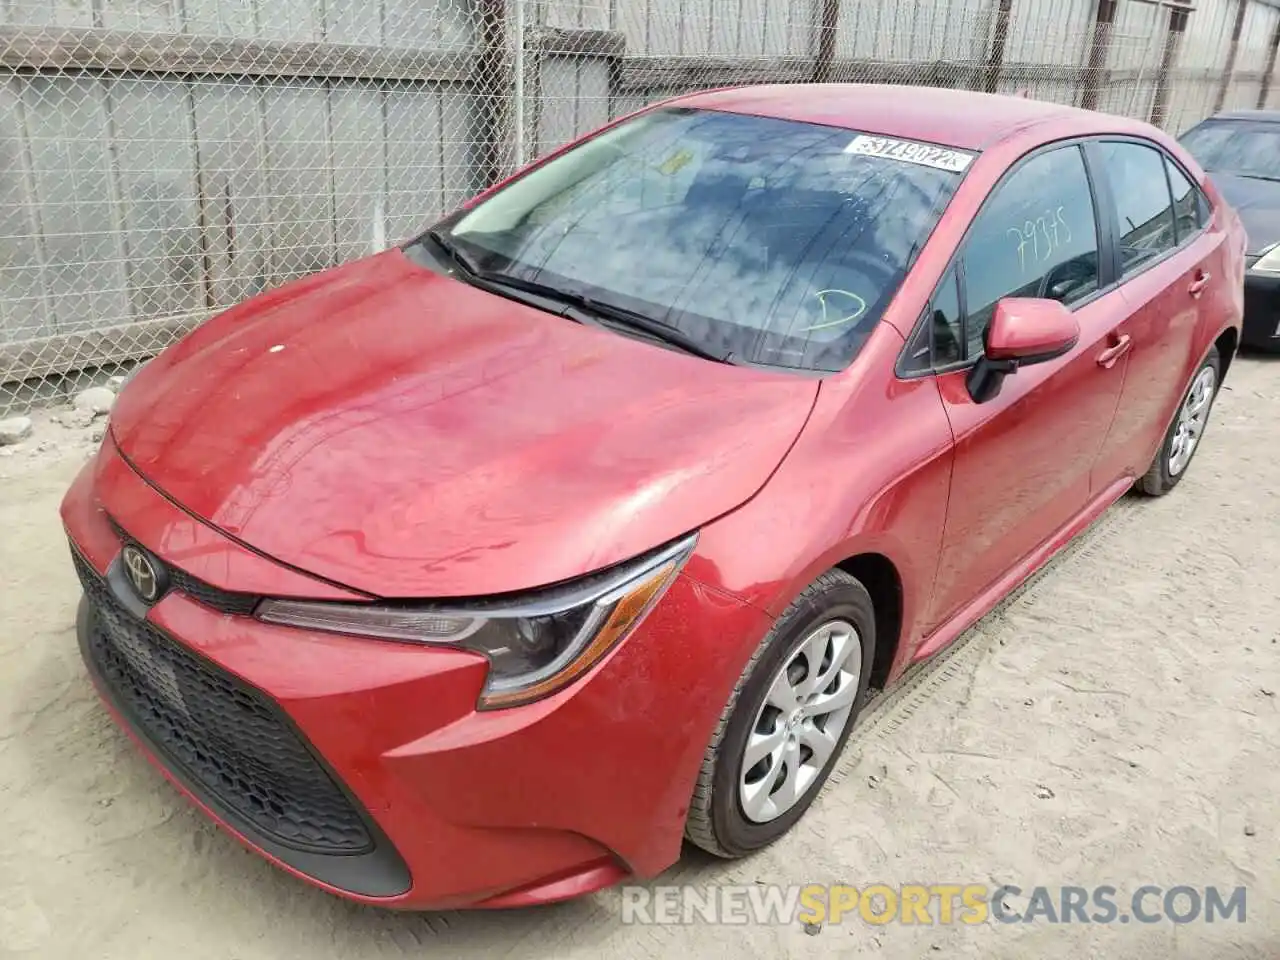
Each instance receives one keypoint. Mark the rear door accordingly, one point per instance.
(1022, 459)
(1171, 262)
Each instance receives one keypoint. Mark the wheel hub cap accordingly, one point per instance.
(1192, 416)
(805, 710)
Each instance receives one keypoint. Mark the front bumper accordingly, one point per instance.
(1261, 311)
(362, 766)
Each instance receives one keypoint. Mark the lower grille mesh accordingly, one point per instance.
(218, 731)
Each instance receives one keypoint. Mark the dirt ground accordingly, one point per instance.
(1115, 723)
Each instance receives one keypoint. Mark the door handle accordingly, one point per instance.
(1199, 283)
(1108, 357)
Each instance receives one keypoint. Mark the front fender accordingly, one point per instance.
(870, 473)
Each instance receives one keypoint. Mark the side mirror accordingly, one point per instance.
(1022, 331)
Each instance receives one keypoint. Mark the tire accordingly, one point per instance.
(1166, 470)
(718, 819)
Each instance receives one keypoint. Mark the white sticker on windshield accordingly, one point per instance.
(909, 151)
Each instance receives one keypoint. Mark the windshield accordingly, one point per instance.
(765, 240)
(1249, 148)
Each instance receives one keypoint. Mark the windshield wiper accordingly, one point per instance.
(578, 307)
(540, 295)
(448, 246)
(658, 329)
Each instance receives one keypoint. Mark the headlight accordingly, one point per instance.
(535, 645)
(1269, 262)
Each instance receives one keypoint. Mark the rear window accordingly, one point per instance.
(1246, 148)
(776, 241)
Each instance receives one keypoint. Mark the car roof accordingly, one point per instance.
(965, 119)
(1266, 116)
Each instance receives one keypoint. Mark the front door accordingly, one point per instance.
(1023, 458)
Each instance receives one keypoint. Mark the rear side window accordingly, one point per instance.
(1036, 237)
(1188, 207)
(1144, 209)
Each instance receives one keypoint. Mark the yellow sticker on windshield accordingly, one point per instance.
(675, 163)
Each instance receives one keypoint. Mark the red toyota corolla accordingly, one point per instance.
(484, 570)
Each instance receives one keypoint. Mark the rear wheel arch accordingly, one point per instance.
(1162, 476)
(1227, 342)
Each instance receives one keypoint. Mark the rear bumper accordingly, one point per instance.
(1261, 312)
(459, 807)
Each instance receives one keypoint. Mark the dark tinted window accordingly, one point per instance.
(1249, 148)
(1036, 237)
(1187, 204)
(776, 241)
(1143, 208)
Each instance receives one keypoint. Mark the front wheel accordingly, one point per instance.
(787, 720)
(1184, 434)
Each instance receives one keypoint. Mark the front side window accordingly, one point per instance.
(1035, 237)
(1144, 209)
(766, 240)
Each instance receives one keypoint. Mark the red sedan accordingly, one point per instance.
(485, 570)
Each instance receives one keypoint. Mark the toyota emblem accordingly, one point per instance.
(142, 573)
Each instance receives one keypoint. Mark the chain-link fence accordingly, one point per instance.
(163, 159)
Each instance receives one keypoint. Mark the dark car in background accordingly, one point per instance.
(1240, 151)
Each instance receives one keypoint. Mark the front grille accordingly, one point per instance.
(224, 601)
(217, 731)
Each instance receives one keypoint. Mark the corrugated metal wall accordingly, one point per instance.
(161, 159)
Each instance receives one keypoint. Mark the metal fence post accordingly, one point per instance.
(1269, 73)
(1099, 47)
(1172, 42)
(995, 60)
(490, 82)
(1224, 84)
(827, 26)
(517, 132)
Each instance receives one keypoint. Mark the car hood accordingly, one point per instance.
(408, 435)
(1257, 202)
